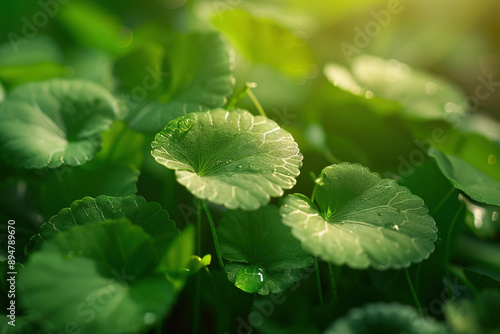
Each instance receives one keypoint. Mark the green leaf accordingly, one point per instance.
(423, 96)
(55, 122)
(92, 65)
(104, 280)
(361, 220)
(229, 157)
(483, 278)
(471, 163)
(177, 260)
(114, 171)
(263, 40)
(148, 215)
(95, 27)
(473, 182)
(169, 74)
(40, 59)
(478, 316)
(180, 253)
(385, 318)
(265, 257)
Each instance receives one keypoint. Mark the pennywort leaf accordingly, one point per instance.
(422, 96)
(56, 122)
(105, 280)
(230, 158)
(265, 257)
(385, 318)
(470, 161)
(148, 215)
(263, 40)
(173, 74)
(361, 220)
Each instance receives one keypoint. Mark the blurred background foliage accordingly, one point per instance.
(283, 46)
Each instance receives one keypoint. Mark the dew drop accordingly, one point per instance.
(250, 279)
(185, 124)
(389, 226)
(494, 216)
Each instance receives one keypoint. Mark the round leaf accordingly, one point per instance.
(229, 157)
(265, 256)
(149, 215)
(264, 41)
(423, 96)
(113, 171)
(171, 74)
(385, 318)
(56, 122)
(470, 161)
(104, 280)
(361, 220)
(478, 316)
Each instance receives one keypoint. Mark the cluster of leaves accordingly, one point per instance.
(90, 118)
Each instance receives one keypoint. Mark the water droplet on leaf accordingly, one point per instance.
(185, 124)
(250, 279)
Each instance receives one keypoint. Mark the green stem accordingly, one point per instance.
(214, 234)
(318, 281)
(447, 250)
(459, 273)
(256, 102)
(332, 281)
(414, 294)
(198, 228)
(417, 276)
(313, 195)
(443, 200)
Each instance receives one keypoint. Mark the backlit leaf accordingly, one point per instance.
(229, 157)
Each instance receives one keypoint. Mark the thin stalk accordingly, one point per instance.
(414, 294)
(313, 195)
(318, 281)
(256, 102)
(443, 200)
(447, 256)
(214, 234)
(332, 281)
(417, 276)
(198, 228)
(459, 273)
